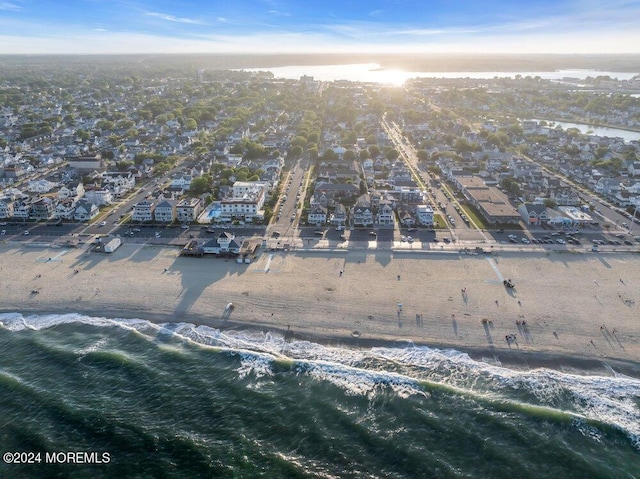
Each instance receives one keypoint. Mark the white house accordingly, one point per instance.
(165, 211)
(98, 196)
(317, 215)
(386, 215)
(181, 181)
(225, 243)
(6, 207)
(241, 189)
(188, 209)
(65, 209)
(85, 211)
(143, 211)
(425, 215)
(41, 186)
(246, 207)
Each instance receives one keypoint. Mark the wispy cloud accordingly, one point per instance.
(171, 18)
(10, 6)
(278, 13)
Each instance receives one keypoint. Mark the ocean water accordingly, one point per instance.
(138, 399)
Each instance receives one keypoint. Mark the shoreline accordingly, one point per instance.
(521, 360)
(576, 316)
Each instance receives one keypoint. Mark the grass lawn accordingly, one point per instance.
(439, 222)
(473, 216)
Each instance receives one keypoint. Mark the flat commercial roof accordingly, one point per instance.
(494, 201)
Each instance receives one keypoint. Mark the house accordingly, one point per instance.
(85, 211)
(165, 211)
(41, 186)
(534, 214)
(65, 209)
(225, 243)
(405, 217)
(22, 209)
(425, 215)
(606, 186)
(98, 196)
(6, 207)
(386, 215)
(240, 189)
(86, 164)
(565, 196)
(362, 212)
(246, 208)
(119, 182)
(42, 208)
(182, 182)
(71, 192)
(188, 209)
(339, 216)
(317, 215)
(337, 190)
(143, 211)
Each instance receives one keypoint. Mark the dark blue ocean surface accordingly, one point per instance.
(175, 400)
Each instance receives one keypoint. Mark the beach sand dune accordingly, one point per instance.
(580, 305)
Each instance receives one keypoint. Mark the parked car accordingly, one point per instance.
(26, 233)
(373, 233)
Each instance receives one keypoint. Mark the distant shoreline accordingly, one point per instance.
(449, 62)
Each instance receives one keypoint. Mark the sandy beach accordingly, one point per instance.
(566, 309)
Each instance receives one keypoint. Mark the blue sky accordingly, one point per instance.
(284, 26)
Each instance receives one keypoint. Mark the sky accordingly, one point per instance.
(318, 26)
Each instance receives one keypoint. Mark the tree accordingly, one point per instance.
(200, 185)
(510, 185)
(329, 155)
(190, 124)
(349, 155)
(296, 151)
(423, 155)
(392, 155)
(374, 151)
(549, 203)
(299, 141)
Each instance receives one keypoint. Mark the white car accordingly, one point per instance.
(185, 227)
(103, 223)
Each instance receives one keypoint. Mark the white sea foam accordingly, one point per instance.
(589, 399)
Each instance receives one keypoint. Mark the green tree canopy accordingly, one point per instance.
(392, 154)
(200, 185)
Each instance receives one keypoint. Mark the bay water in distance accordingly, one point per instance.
(179, 400)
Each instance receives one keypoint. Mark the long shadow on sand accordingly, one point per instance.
(199, 274)
(487, 332)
